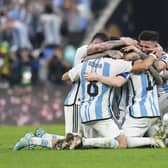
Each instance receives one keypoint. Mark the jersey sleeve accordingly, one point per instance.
(74, 73)
(124, 75)
(164, 58)
(120, 66)
(80, 53)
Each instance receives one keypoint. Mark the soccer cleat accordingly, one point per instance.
(39, 132)
(69, 142)
(60, 144)
(159, 142)
(23, 142)
(75, 143)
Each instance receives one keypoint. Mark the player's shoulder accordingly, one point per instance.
(120, 61)
(83, 47)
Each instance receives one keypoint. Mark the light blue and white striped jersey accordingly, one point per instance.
(163, 89)
(143, 97)
(120, 100)
(164, 58)
(73, 96)
(95, 96)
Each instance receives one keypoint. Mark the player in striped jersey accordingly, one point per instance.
(147, 43)
(163, 88)
(163, 93)
(91, 109)
(95, 112)
(143, 108)
(72, 101)
(95, 105)
(106, 142)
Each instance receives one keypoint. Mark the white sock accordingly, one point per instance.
(44, 142)
(52, 136)
(100, 142)
(139, 141)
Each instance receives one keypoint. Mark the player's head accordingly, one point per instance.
(113, 38)
(148, 40)
(99, 37)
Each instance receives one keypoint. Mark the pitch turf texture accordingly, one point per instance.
(93, 158)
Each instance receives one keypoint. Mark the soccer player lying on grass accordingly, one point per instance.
(58, 142)
(51, 141)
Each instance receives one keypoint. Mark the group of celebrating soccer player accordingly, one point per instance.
(118, 97)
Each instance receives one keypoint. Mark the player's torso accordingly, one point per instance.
(143, 99)
(97, 97)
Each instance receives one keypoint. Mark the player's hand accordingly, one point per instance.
(131, 56)
(158, 50)
(129, 41)
(116, 54)
(91, 76)
(131, 48)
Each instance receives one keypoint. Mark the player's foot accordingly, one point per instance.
(23, 142)
(159, 142)
(39, 132)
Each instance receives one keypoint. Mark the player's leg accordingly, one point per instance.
(105, 134)
(72, 120)
(29, 139)
(134, 127)
(109, 128)
(163, 104)
(134, 130)
(104, 142)
(145, 141)
(43, 134)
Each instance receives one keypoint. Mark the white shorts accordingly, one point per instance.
(102, 128)
(72, 120)
(137, 127)
(163, 103)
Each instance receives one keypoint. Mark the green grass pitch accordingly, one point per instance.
(93, 158)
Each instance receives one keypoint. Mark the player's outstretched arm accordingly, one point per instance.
(100, 47)
(142, 65)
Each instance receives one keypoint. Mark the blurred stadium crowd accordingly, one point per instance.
(38, 41)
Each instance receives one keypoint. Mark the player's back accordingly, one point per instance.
(96, 96)
(143, 99)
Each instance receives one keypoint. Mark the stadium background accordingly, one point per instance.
(39, 100)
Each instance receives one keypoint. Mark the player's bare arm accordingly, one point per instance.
(116, 81)
(65, 76)
(160, 65)
(115, 54)
(95, 48)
